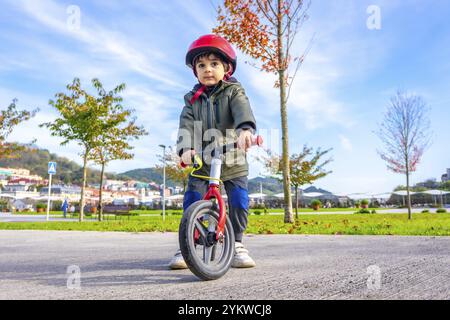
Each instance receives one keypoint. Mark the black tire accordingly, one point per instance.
(222, 252)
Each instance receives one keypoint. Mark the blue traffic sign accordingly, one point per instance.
(52, 168)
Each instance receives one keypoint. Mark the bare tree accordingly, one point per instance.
(405, 134)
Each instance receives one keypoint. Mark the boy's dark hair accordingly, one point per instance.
(207, 54)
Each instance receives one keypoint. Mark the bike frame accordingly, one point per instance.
(214, 187)
(214, 192)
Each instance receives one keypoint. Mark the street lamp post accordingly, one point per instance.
(164, 182)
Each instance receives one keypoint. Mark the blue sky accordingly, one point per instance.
(337, 99)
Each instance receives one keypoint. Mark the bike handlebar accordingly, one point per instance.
(256, 140)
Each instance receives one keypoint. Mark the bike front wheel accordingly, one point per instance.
(207, 258)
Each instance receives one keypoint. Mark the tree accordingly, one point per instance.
(81, 120)
(307, 171)
(112, 142)
(265, 30)
(173, 169)
(405, 135)
(302, 171)
(10, 118)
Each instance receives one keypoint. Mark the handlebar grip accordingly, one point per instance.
(257, 140)
(193, 161)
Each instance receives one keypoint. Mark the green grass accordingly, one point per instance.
(356, 224)
(158, 211)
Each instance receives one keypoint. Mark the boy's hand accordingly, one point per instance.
(186, 157)
(244, 141)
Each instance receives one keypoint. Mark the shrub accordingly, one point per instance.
(56, 205)
(259, 206)
(168, 213)
(364, 202)
(375, 204)
(441, 210)
(257, 212)
(425, 211)
(316, 202)
(177, 213)
(363, 211)
(373, 211)
(3, 205)
(41, 206)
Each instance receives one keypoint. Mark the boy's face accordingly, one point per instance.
(210, 70)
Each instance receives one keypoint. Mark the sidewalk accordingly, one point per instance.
(8, 217)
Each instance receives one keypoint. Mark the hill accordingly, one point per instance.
(68, 171)
(146, 175)
(269, 186)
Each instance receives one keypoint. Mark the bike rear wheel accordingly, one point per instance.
(206, 258)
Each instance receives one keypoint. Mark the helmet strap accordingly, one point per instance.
(197, 94)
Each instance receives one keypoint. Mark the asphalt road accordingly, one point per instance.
(39, 265)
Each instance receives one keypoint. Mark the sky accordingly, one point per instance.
(361, 53)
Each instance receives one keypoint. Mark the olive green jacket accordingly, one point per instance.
(216, 118)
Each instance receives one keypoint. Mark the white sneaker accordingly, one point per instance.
(177, 261)
(241, 258)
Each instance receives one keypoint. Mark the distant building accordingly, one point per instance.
(26, 181)
(446, 176)
(118, 185)
(16, 187)
(14, 174)
(62, 190)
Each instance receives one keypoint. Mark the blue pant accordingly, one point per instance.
(237, 192)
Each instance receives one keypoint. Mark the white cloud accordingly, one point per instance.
(99, 40)
(345, 143)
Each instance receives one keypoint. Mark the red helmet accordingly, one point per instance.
(213, 43)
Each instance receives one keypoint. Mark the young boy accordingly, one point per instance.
(217, 104)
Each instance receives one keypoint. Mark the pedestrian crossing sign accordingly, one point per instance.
(51, 167)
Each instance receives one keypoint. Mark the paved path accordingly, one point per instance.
(34, 265)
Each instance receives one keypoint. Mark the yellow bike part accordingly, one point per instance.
(199, 161)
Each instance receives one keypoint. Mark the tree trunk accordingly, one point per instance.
(83, 186)
(296, 203)
(288, 216)
(100, 197)
(408, 194)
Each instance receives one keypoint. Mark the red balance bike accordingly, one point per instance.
(206, 235)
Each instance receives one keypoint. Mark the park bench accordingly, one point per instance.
(116, 210)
